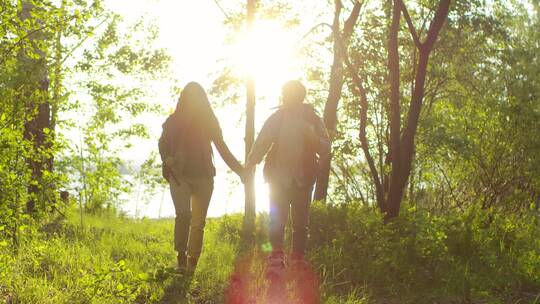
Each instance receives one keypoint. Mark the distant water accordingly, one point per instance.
(228, 197)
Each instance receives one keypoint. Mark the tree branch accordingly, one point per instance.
(436, 25)
(8, 51)
(335, 23)
(221, 9)
(349, 24)
(410, 25)
(358, 81)
(313, 29)
(81, 42)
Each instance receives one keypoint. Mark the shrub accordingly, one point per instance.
(474, 255)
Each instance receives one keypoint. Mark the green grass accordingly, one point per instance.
(421, 258)
(113, 260)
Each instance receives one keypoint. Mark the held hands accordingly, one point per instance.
(245, 173)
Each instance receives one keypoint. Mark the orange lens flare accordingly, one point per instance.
(252, 283)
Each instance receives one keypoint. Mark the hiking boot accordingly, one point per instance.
(275, 265)
(298, 262)
(181, 262)
(192, 263)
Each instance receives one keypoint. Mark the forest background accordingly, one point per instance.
(432, 193)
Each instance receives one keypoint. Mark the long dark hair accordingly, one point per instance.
(194, 115)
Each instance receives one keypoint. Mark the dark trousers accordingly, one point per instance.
(297, 200)
(191, 198)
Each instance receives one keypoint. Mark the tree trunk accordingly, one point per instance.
(249, 186)
(334, 90)
(395, 110)
(400, 173)
(37, 105)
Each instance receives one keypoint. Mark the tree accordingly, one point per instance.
(44, 43)
(249, 185)
(27, 110)
(115, 70)
(475, 145)
(400, 146)
(335, 86)
(33, 66)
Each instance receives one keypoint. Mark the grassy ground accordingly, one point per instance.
(113, 260)
(355, 258)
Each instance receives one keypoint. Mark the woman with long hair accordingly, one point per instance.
(188, 167)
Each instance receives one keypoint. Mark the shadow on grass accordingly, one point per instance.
(211, 279)
(247, 279)
(178, 289)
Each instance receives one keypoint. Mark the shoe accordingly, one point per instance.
(275, 265)
(192, 263)
(298, 262)
(181, 262)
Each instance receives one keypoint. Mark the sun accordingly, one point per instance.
(268, 54)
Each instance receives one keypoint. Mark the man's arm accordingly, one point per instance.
(318, 137)
(262, 143)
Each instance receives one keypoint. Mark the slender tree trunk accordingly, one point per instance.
(37, 106)
(401, 172)
(335, 89)
(395, 109)
(57, 76)
(249, 186)
(362, 135)
(330, 108)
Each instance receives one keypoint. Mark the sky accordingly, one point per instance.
(197, 22)
(193, 33)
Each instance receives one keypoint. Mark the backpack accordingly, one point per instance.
(170, 149)
(291, 159)
(185, 154)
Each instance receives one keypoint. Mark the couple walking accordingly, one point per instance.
(293, 139)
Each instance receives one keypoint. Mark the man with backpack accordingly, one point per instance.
(294, 139)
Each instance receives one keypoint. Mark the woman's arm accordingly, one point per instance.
(227, 156)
